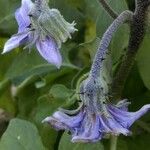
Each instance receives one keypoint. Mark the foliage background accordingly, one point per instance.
(31, 89)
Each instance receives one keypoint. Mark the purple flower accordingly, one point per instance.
(95, 117)
(35, 29)
(88, 126)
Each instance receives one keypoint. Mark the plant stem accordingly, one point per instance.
(108, 9)
(137, 33)
(106, 39)
(113, 142)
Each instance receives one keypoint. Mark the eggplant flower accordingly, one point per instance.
(41, 26)
(95, 117)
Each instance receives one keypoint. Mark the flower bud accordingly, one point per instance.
(53, 23)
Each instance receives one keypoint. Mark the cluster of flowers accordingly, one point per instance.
(95, 117)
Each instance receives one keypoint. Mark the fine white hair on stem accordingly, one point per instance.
(105, 41)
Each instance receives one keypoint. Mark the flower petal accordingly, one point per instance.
(110, 125)
(55, 123)
(49, 51)
(71, 121)
(14, 42)
(89, 130)
(61, 121)
(127, 118)
(22, 13)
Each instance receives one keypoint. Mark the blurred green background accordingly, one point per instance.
(31, 89)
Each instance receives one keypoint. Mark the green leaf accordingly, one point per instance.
(8, 24)
(30, 66)
(6, 60)
(65, 143)
(49, 103)
(122, 144)
(139, 142)
(60, 92)
(70, 10)
(49, 136)
(21, 135)
(134, 85)
(24, 63)
(4, 85)
(26, 100)
(46, 105)
(143, 61)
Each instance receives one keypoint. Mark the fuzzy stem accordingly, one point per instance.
(102, 50)
(113, 142)
(137, 33)
(108, 9)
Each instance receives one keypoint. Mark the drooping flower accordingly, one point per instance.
(41, 26)
(96, 117)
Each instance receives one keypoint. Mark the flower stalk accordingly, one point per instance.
(113, 142)
(137, 32)
(108, 9)
(106, 39)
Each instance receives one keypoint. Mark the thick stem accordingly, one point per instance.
(102, 51)
(108, 9)
(137, 33)
(113, 142)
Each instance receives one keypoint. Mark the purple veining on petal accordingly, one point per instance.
(22, 15)
(89, 131)
(71, 121)
(127, 118)
(49, 51)
(92, 127)
(14, 42)
(23, 21)
(114, 126)
(104, 126)
(62, 121)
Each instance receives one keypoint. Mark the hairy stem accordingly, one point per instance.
(102, 50)
(108, 9)
(137, 33)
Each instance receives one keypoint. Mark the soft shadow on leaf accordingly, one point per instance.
(139, 142)
(46, 105)
(8, 25)
(134, 86)
(143, 61)
(65, 143)
(21, 135)
(28, 65)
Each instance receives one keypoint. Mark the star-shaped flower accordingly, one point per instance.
(95, 118)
